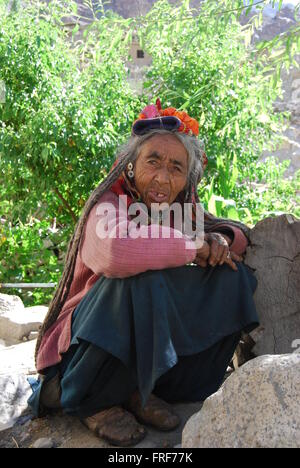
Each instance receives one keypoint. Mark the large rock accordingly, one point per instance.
(257, 406)
(16, 363)
(17, 321)
(275, 257)
(18, 358)
(14, 393)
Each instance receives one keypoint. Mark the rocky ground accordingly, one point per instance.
(57, 430)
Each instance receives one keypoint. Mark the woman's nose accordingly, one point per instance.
(162, 176)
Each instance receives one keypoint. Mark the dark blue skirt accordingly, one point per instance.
(137, 332)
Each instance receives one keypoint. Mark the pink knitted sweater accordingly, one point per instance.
(117, 257)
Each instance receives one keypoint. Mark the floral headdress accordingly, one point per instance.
(154, 117)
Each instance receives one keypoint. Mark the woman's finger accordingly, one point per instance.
(204, 251)
(214, 252)
(218, 245)
(225, 255)
(220, 254)
(236, 257)
(231, 263)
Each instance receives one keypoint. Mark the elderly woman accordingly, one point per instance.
(140, 321)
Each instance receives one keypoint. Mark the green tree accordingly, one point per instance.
(206, 63)
(67, 107)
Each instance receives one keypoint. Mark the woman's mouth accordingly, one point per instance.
(157, 196)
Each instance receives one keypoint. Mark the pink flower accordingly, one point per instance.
(149, 112)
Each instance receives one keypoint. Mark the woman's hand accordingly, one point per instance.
(203, 254)
(215, 251)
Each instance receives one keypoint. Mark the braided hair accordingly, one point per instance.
(128, 153)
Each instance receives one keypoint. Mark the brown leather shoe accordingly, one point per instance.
(156, 413)
(117, 426)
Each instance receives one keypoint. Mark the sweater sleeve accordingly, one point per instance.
(114, 247)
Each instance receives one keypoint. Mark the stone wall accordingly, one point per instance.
(290, 148)
(275, 23)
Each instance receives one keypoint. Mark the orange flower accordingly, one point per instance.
(188, 124)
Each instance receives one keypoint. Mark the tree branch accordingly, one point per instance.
(66, 204)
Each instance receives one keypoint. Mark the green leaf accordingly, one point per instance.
(75, 29)
(212, 205)
(74, 7)
(202, 119)
(237, 129)
(44, 154)
(232, 212)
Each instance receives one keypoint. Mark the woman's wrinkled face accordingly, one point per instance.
(161, 169)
